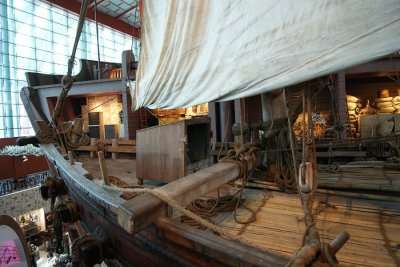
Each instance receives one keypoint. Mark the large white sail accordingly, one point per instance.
(196, 51)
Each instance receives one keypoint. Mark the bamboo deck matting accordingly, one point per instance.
(368, 177)
(374, 227)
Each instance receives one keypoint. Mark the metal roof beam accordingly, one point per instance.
(126, 11)
(91, 5)
(103, 18)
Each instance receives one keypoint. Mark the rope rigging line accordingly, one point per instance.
(312, 250)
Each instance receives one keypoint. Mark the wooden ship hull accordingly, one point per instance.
(125, 222)
(140, 231)
(165, 243)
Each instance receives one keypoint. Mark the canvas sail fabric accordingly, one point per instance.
(197, 51)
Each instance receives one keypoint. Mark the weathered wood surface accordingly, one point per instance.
(162, 151)
(374, 226)
(114, 146)
(90, 148)
(258, 184)
(352, 154)
(121, 149)
(100, 205)
(376, 176)
(120, 141)
(103, 168)
(144, 209)
(124, 169)
(214, 248)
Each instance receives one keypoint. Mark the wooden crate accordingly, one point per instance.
(168, 152)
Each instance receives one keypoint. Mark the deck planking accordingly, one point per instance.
(124, 169)
(279, 228)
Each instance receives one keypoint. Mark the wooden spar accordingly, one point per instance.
(70, 157)
(114, 144)
(103, 167)
(141, 211)
(93, 142)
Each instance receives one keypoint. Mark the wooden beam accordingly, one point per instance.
(103, 167)
(121, 149)
(103, 18)
(141, 211)
(352, 154)
(91, 148)
(121, 141)
(378, 66)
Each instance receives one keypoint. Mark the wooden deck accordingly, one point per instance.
(124, 169)
(374, 227)
(370, 176)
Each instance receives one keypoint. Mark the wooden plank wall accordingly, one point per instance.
(161, 152)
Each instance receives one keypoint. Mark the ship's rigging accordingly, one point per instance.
(243, 157)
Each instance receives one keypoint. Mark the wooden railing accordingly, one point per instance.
(113, 146)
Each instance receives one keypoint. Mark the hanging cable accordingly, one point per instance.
(97, 40)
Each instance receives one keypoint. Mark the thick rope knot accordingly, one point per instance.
(74, 136)
(243, 155)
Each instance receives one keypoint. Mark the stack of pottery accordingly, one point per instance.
(353, 108)
(396, 102)
(384, 103)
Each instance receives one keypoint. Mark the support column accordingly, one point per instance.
(239, 118)
(212, 113)
(341, 102)
(238, 111)
(226, 121)
(125, 113)
(266, 105)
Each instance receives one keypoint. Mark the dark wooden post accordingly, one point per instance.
(341, 101)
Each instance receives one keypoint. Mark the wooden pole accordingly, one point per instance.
(70, 157)
(341, 101)
(114, 143)
(93, 142)
(103, 167)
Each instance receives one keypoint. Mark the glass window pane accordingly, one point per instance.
(39, 38)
